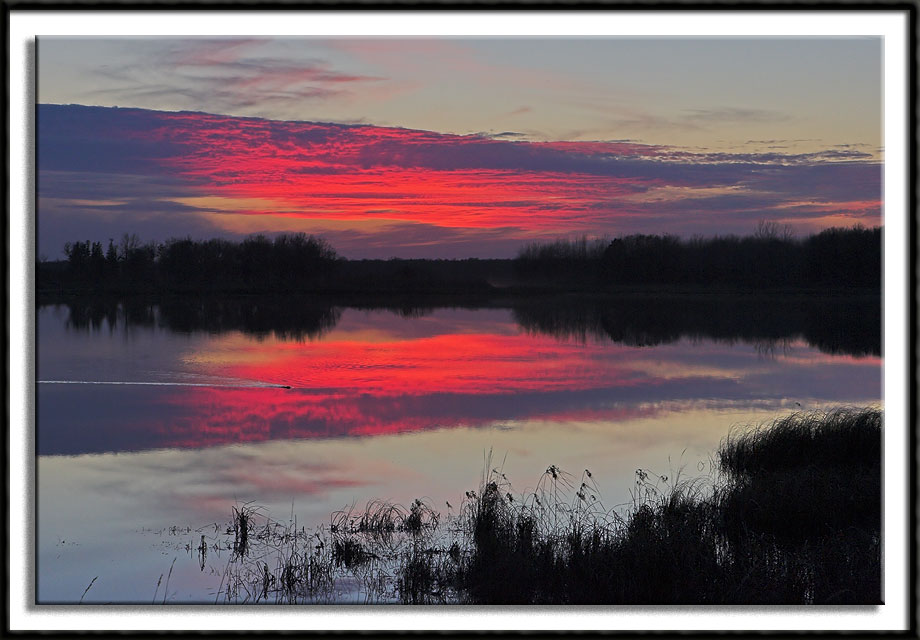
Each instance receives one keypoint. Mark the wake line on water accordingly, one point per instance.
(257, 385)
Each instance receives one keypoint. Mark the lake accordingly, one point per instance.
(156, 417)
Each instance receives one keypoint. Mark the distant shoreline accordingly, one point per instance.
(839, 260)
(487, 296)
(488, 278)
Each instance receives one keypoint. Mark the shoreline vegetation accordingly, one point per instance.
(789, 514)
(836, 259)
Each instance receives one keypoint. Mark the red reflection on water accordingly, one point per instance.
(377, 374)
(382, 384)
(454, 363)
(225, 416)
(361, 388)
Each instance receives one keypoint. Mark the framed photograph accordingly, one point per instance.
(582, 318)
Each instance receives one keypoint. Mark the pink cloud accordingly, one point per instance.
(362, 173)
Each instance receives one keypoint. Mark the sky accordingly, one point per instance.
(414, 147)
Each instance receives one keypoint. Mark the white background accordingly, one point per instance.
(25, 25)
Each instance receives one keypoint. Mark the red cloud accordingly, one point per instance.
(363, 172)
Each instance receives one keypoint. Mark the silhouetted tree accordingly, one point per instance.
(771, 257)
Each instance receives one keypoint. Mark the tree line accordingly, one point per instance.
(838, 257)
(287, 262)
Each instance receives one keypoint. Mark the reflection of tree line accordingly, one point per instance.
(848, 325)
(833, 325)
(290, 318)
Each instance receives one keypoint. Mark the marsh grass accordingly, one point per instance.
(383, 553)
(789, 513)
(840, 439)
(272, 561)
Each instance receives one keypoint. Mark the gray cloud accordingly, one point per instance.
(224, 75)
(732, 114)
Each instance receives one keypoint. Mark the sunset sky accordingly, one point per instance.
(454, 147)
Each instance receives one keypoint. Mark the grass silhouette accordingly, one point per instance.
(790, 514)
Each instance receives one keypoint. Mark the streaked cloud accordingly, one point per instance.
(520, 111)
(225, 75)
(733, 114)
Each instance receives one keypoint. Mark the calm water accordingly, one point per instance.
(388, 404)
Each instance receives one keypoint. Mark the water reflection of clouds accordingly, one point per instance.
(370, 376)
(203, 417)
(205, 482)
